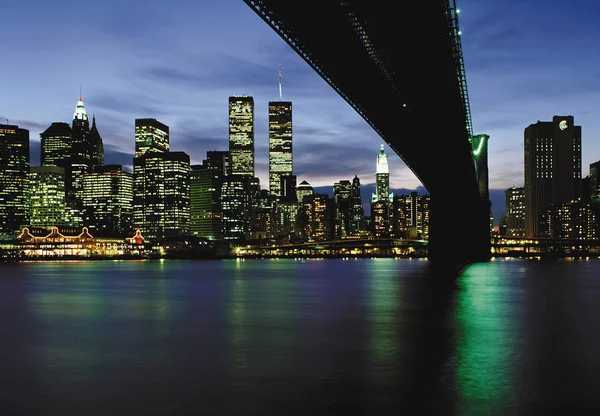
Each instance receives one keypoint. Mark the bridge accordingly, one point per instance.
(400, 66)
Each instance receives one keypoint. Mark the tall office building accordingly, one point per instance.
(150, 136)
(552, 167)
(341, 197)
(206, 180)
(81, 149)
(96, 145)
(162, 194)
(47, 196)
(357, 211)
(410, 216)
(14, 169)
(515, 212)
(382, 179)
(107, 199)
(241, 135)
(56, 145)
(236, 206)
(280, 144)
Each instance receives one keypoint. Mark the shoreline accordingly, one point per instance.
(532, 256)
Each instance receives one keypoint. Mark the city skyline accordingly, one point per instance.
(517, 74)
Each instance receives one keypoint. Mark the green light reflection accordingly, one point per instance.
(485, 348)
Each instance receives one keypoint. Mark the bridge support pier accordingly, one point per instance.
(459, 230)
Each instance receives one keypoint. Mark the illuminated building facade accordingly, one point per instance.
(380, 214)
(302, 190)
(81, 152)
(162, 194)
(341, 198)
(236, 207)
(552, 167)
(107, 200)
(241, 135)
(56, 145)
(382, 179)
(410, 216)
(315, 219)
(150, 136)
(572, 220)
(14, 171)
(280, 144)
(515, 212)
(47, 197)
(357, 211)
(206, 181)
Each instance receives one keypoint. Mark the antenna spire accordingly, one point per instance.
(80, 92)
(280, 94)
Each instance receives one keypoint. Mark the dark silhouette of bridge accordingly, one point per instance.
(400, 66)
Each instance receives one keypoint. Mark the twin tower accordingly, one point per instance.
(241, 140)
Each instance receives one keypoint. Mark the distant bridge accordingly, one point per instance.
(400, 66)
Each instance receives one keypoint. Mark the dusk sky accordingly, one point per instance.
(179, 61)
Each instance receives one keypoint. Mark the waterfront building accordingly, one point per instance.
(206, 181)
(162, 194)
(14, 171)
(515, 212)
(236, 207)
(410, 216)
(574, 220)
(107, 201)
(315, 217)
(47, 197)
(552, 168)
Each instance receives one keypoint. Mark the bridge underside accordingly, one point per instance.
(399, 71)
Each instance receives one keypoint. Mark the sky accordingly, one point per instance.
(179, 61)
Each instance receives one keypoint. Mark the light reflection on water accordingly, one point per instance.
(372, 336)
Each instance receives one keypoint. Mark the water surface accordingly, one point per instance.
(299, 337)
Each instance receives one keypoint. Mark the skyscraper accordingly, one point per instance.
(341, 197)
(382, 179)
(56, 145)
(357, 212)
(96, 145)
(162, 194)
(81, 152)
(107, 199)
(515, 212)
(280, 141)
(47, 196)
(14, 169)
(150, 136)
(206, 180)
(241, 135)
(552, 167)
